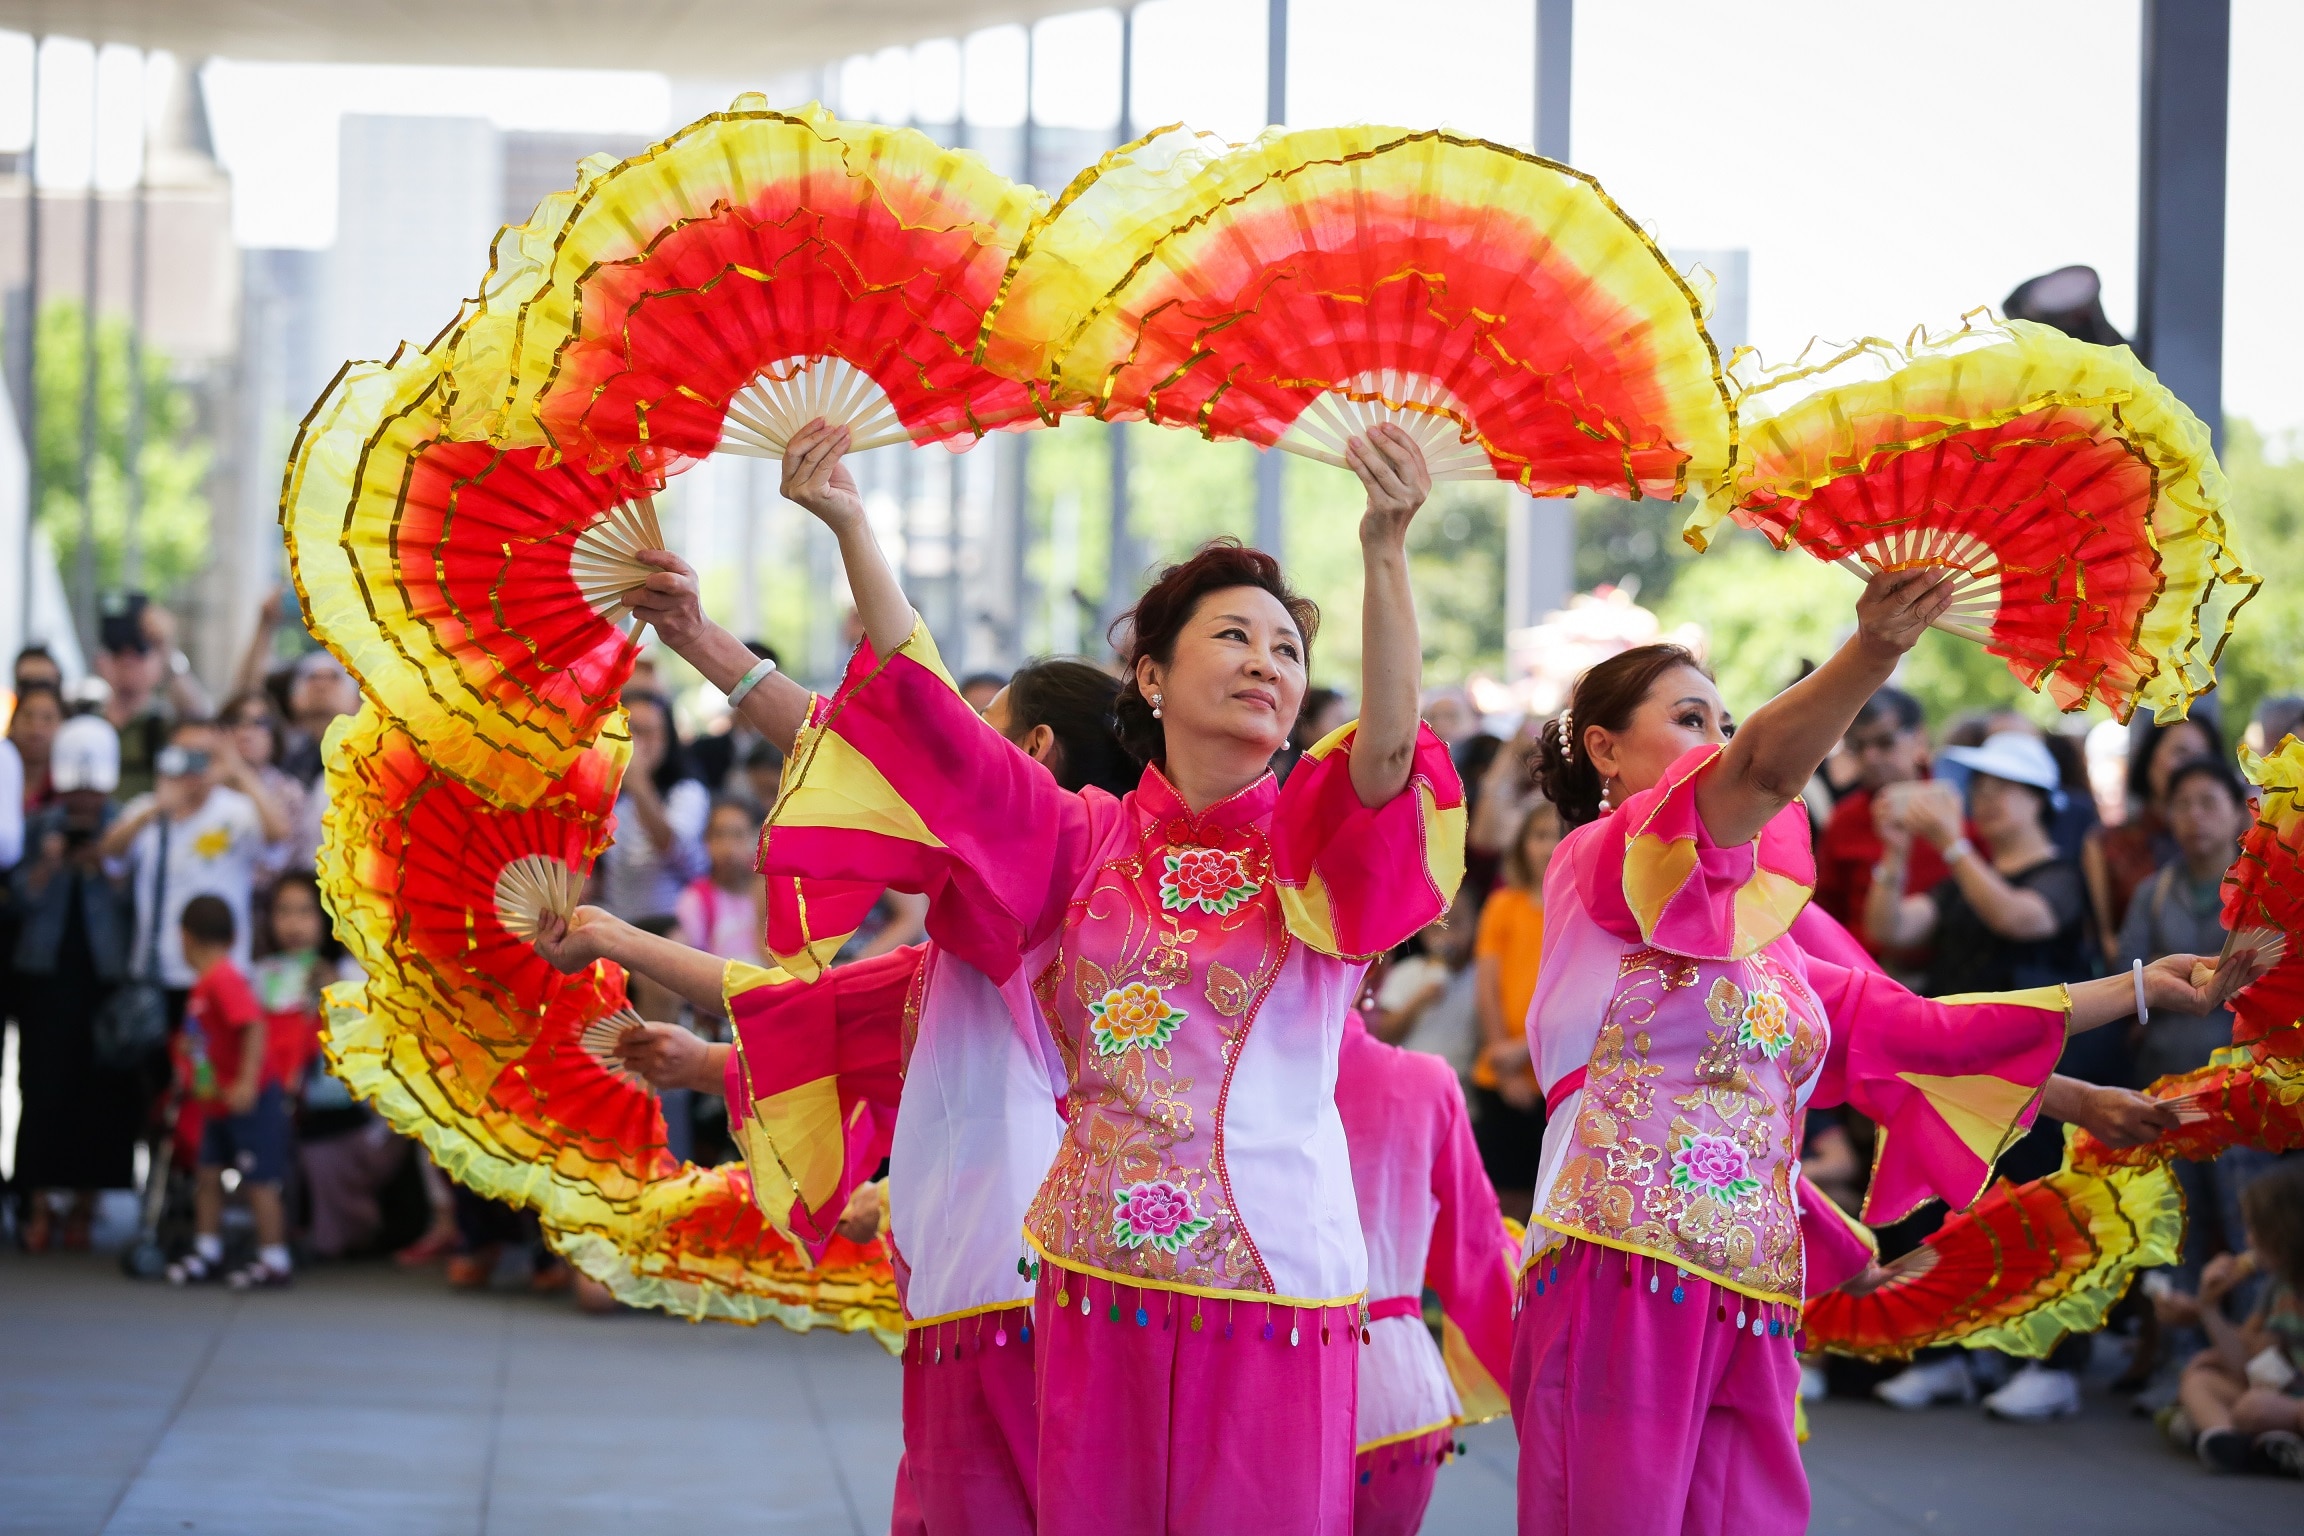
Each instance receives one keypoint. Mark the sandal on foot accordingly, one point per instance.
(193, 1270)
(260, 1276)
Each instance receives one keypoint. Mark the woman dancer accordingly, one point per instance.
(973, 1112)
(1193, 949)
(1679, 1034)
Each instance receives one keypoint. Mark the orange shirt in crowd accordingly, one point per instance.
(1512, 934)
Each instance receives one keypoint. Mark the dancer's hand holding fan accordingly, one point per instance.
(2075, 497)
(476, 592)
(752, 273)
(1298, 290)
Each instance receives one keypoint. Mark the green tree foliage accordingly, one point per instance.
(174, 524)
(2267, 517)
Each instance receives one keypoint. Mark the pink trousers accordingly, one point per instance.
(1392, 1484)
(1650, 1402)
(971, 1449)
(1170, 1415)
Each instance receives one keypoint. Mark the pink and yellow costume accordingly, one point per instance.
(1199, 1294)
(917, 1057)
(1428, 1217)
(1680, 1031)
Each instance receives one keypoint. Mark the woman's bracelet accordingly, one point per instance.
(1956, 850)
(2143, 1009)
(751, 680)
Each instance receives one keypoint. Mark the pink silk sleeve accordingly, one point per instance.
(896, 782)
(1471, 1265)
(813, 1082)
(1356, 880)
(1658, 877)
(1835, 1247)
(1951, 1082)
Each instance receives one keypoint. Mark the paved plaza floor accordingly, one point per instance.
(366, 1400)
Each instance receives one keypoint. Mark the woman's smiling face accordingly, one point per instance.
(1681, 710)
(1238, 671)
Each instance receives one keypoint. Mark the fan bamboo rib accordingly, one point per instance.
(531, 886)
(603, 563)
(599, 1041)
(1416, 405)
(1975, 583)
(769, 412)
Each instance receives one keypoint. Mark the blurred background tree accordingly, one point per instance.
(173, 526)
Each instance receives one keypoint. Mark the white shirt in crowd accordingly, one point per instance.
(213, 852)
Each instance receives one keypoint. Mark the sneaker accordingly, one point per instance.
(2281, 1451)
(2223, 1450)
(2036, 1393)
(1813, 1387)
(1931, 1382)
(2177, 1425)
(193, 1270)
(260, 1276)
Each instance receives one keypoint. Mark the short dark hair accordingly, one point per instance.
(749, 811)
(1073, 697)
(207, 920)
(764, 754)
(1157, 621)
(994, 680)
(2210, 768)
(1894, 703)
(2146, 741)
(2273, 1206)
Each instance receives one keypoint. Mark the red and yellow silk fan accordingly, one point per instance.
(438, 886)
(2264, 907)
(2076, 497)
(2237, 1100)
(476, 592)
(2016, 1271)
(1297, 290)
(757, 270)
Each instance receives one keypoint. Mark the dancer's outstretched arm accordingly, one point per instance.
(1769, 762)
(776, 707)
(1391, 466)
(591, 933)
(816, 479)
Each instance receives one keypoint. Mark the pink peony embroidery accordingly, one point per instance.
(1132, 1018)
(1207, 878)
(1715, 1166)
(1766, 1024)
(1157, 1214)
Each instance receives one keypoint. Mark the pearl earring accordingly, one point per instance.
(1155, 706)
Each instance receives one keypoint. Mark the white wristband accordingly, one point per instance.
(2143, 1012)
(751, 680)
(1956, 850)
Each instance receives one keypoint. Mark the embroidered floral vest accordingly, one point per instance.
(1166, 957)
(1684, 1145)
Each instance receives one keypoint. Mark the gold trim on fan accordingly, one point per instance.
(1975, 566)
(787, 395)
(603, 563)
(531, 886)
(1419, 406)
(599, 1040)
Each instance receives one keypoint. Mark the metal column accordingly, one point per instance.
(1540, 536)
(28, 408)
(1124, 557)
(2187, 57)
(1271, 527)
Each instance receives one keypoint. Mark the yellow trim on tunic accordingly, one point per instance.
(1208, 1292)
(914, 1323)
(1661, 1257)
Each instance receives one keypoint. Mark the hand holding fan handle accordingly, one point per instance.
(590, 934)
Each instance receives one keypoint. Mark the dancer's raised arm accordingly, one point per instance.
(816, 479)
(775, 706)
(1767, 764)
(1391, 466)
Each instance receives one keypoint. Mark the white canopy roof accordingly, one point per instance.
(716, 38)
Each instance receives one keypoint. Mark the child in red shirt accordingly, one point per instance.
(221, 1067)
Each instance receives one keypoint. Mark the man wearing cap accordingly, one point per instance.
(80, 1120)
